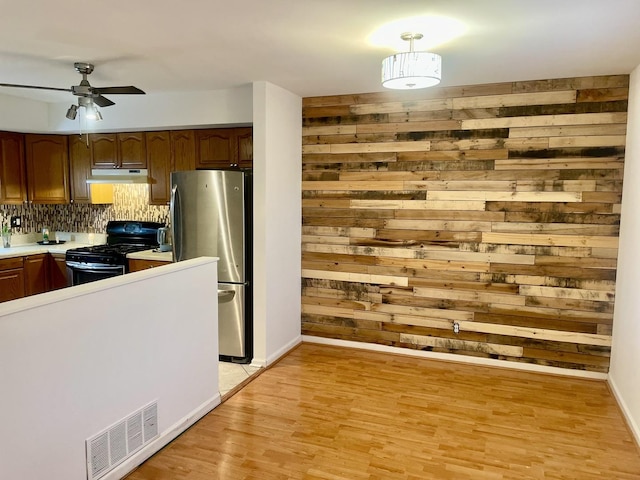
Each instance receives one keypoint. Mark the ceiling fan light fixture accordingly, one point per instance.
(72, 112)
(90, 113)
(411, 70)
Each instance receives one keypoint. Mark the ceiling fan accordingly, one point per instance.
(88, 96)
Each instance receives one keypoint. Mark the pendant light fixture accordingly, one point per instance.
(411, 70)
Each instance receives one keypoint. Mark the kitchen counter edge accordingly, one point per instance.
(35, 249)
(151, 255)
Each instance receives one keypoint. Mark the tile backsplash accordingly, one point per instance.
(130, 202)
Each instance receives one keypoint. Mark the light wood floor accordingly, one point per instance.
(342, 414)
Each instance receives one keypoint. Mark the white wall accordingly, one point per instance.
(75, 361)
(133, 112)
(277, 166)
(624, 373)
(23, 115)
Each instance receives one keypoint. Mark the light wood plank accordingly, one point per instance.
(569, 130)
(537, 333)
(506, 196)
(329, 130)
(352, 186)
(460, 226)
(415, 106)
(557, 292)
(457, 205)
(465, 345)
(356, 277)
(592, 141)
(516, 99)
(551, 240)
(560, 163)
(451, 294)
(546, 120)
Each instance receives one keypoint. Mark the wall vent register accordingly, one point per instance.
(109, 448)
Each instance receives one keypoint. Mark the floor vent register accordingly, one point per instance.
(116, 443)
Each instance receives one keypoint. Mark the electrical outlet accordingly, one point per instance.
(16, 221)
(456, 327)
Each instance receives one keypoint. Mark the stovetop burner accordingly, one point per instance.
(123, 237)
(119, 249)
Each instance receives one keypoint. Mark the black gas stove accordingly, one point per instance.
(95, 262)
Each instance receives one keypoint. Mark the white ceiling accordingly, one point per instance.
(310, 47)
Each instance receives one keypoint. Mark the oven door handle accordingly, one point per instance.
(94, 266)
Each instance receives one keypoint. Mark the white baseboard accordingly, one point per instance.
(633, 426)
(163, 439)
(274, 357)
(451, 357)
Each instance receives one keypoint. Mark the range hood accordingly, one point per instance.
(119, 175)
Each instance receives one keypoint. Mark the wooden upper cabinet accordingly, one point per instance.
(80, 162)
(224, 148)
(13, 176)
(47, 162)
(244, 140)
(183, 150)
(159, 165)
(118, 150)
(104, 150)
(132, 150)
(215, 148)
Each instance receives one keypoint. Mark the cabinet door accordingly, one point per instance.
(183, 150)
(215, 148)
(135, 264)
(36, 278)
(13, 178)
(11, 284)
(159, 165)
(132, 151)
(47, 160)
(57, 271)
(104, 150)
(244, 143)
(80, 169)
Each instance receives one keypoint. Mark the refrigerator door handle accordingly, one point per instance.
(176, 219)
(225, 296)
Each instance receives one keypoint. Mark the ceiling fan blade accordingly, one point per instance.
(34, 86)
(130, 90)
(102, 101)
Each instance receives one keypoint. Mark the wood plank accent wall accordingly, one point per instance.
(493, 207)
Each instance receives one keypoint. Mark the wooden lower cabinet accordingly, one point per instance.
(135, 265)
(11, 279)
(32, 274)
(57, 271)
(36, 278)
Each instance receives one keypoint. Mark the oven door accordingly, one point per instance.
(78, 272)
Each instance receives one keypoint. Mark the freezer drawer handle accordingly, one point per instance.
(225, 296)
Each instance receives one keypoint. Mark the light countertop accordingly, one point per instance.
(152, 255)
(35, 249)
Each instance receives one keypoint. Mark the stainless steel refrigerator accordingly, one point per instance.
(211, 216)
